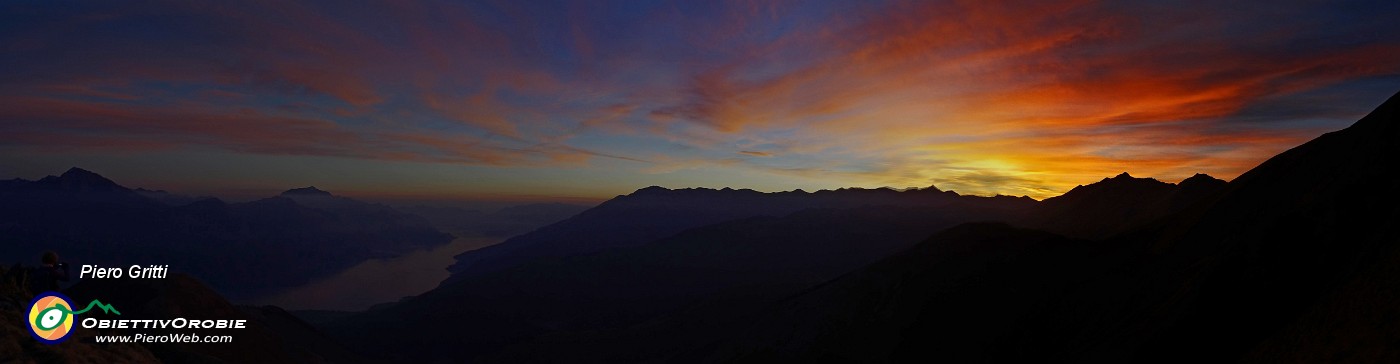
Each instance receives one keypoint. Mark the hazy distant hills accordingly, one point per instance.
(503, 223)
(240, 248)
(167, 198)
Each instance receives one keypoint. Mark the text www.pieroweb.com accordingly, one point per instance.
(164, 338)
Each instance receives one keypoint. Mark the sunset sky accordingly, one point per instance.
(590, 99)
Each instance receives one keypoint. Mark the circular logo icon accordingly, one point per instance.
(50, 318)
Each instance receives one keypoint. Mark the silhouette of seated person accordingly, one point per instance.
(46, 276)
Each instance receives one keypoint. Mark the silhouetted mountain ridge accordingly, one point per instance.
(1201, 181)
(82, 180)
(306, 191)
(76, 188)
(1117, 204)
(1293, 262)
(658, 252)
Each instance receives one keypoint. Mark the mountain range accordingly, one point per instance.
(645, 257)
(1289, 262)
(1293, 261)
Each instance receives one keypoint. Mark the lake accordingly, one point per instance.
(377, 281)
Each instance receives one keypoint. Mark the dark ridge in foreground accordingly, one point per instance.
(658, 254)
(1295, 262)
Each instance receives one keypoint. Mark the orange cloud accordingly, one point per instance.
(1013, 97)
(1042, 92)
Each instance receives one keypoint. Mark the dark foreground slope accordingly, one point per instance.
(1295, 262)
(952, 292)
(1103, 208)
(654, 212)
(1310, 233)
(749, 259)
(858, 315)
(643, 276)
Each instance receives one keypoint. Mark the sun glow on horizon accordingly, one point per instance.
(485, 98)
